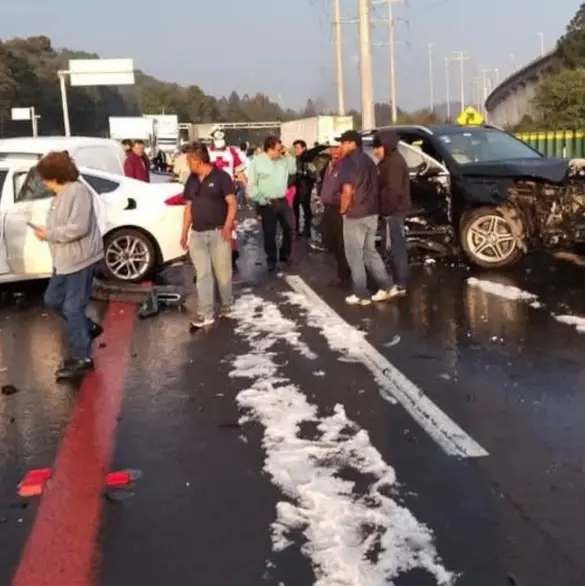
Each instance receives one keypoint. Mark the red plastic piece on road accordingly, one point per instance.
(117, 479)
(33, 484)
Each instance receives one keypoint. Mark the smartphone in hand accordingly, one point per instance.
(31, 225)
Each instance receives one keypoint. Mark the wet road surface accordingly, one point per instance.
(283, 446)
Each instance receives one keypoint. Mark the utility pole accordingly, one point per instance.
(448, 87)
(390, 22)
(497, 73)
(337, 23)
(461, 56)
(541, 35)
(431, 80)
(485, 86)
(366, 66)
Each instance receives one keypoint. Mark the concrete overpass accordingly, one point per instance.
(511, 100)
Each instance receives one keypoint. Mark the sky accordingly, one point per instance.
(285, 49)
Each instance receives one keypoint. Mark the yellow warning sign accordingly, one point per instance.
(470, 117)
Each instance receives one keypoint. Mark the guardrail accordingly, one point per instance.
(566, 144)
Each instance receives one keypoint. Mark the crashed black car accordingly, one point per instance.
(482, 191)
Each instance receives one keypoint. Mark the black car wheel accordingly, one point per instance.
(488, 239)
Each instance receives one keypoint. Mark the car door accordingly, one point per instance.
(26, 254)
(5, 196)
(429, 182)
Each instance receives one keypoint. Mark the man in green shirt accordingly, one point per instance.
(269, 176)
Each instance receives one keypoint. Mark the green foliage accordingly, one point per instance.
(571, 46)
(560, 100)
(28, 77)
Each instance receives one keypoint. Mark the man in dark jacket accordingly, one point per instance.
(304, 183)
(332, 222)
(394, 183)
(137, 165)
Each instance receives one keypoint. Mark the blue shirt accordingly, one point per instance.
(359, 170)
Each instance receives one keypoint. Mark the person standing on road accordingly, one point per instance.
(395, 203)
(137, 165)
(127, 145)
(181, 168)
(304, 183)
(360, 208)
(332, 222)
(269, 177)
(76, 246)
(208, 222)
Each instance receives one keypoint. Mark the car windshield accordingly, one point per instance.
(484, 145)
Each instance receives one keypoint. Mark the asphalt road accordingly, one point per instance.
(437, 439)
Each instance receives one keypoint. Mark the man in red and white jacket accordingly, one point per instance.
(225, 157)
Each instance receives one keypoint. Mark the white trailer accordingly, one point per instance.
(318, 129)
(131, 128)
(166, 131)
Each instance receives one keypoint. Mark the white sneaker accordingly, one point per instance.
(397, 291)
(201, 323)
(355, 300)
(382, 295)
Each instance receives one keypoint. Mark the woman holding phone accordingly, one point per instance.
(76, 245)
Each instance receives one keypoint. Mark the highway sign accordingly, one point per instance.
(21, 114)
(470, 117)
(91, 72)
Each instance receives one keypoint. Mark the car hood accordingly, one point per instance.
(546, 169)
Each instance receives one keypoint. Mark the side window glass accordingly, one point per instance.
(414, 158)
(32, 188)
(99, 184)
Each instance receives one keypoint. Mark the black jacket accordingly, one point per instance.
(394, 179)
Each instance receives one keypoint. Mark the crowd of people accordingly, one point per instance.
(354, 191)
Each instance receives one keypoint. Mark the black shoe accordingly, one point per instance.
(272, 267)
(75, 368)
(95, 330)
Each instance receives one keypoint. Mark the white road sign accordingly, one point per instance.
(91, 72)
(21, 113)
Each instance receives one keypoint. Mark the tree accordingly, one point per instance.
(571, 46)
(560, 99)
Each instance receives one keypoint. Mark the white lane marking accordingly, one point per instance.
(393, 384)
(353, 535)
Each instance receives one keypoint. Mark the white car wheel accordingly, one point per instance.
(129, 256)
(488, 239)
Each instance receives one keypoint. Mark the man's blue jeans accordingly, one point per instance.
(395, 248)
(70, 295)
(359, 237)
(212, 257)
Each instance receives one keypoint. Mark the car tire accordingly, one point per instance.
(488, 240)
(119, 248)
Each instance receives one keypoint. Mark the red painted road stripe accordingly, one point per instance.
(60, 550)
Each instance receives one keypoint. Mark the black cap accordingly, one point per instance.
(351, 136)
(377, 141)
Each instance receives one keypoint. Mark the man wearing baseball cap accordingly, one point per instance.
(332, 223)
(360, 208)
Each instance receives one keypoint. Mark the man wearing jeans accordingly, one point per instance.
(207, 231)
(394, 181)
(360, 208)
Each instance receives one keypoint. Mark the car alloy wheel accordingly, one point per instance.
(128, 257)
(490, 240)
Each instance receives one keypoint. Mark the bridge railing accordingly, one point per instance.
(566, 144)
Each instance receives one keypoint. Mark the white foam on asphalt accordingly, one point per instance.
(572, 320)
(394, 385)
(505, 291)
(515, 294)
(352, 539)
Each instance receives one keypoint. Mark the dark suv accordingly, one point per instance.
(483, 191)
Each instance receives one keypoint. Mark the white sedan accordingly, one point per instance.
(141, 223)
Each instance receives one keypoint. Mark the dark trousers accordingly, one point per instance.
(394, 248)
(70, 295)
(302, 201)
(276, 212)
(332, 227)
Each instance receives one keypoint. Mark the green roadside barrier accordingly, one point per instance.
(565, 144)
